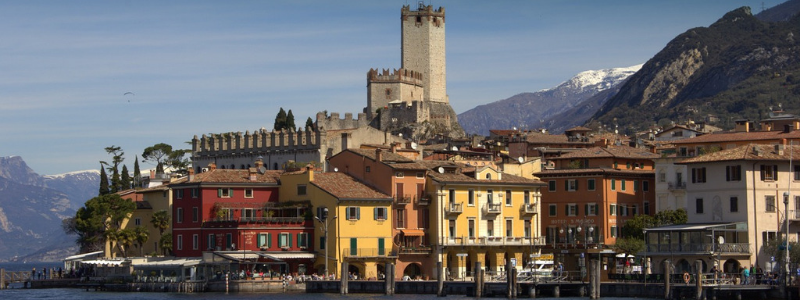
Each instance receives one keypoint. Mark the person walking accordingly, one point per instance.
(746, 276)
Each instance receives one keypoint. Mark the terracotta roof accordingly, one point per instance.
(464, 178)
(751, 152)
(543, 138)
(503, 132)
(592, 170)
(388, 156)
(618, 152)
(343, 186)
(578, 128)
(235, 176)
(424, 165)
(721, 137)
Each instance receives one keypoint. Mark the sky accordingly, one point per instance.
(79, 76)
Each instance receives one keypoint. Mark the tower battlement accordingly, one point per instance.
(424, 11)
(333, 122)
(396, 76)
(260, 141)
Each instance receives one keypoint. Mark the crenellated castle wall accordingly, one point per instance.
(383, 88)
(333, 122)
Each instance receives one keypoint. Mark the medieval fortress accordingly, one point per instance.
(411, 101)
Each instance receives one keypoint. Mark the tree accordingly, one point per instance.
(117, 158)
(125, 179)
(125, 239)
(141, 235)
(104, 190)
(100, 218)
(157, 154)
(280, 120)
(309, 124)
(671, 217)
(290, 121)
(177, 162)
(629, 245)
(166, 243)
(137, 174)
(161, 221)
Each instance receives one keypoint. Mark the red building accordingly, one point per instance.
(235, 214)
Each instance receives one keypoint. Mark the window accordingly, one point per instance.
(571, 209)
(613, 231)
(551, 185)
(698, 175)
(646, 208)
(224, 193)
(195, 242)
(612, 210)
(471, 198)
(645, 186)
(734, 204)
(179, 194)
(571, 185)
(662, 176)
(399, 175)
(302, 190)
(698, 205)
(490, 196)
(422, 220)
(471, 228)
(420, 175)
(550, 235)
(490, 227)
(180, 242)
(353, 213)
(179, 215)
(211, 242)
(195, 214)
(553, 210)
(285, 240)
(635, 209)
(262, 241)
(590, 209)
(248, 193)
(590, 184)
(613, 184)
(322, 243)
(526, 197)
(733, 173)
(229, 241)
(367, 169)
(488, 176)
(627, 165)
(380, 213)
(527, 224)
(623, 209)
(796, 172)
(248, 214)
(769, 203)
(682, 151)
(622, 185)
(195, 192)
(302, 240)
(508, 197)
(452, 196)
(452, 228)
(769, 172)
(137, 221)
(400, 218)
(635, 185)
(509, 228)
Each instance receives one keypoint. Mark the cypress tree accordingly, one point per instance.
(280, 120)
(103, 182)
(290, 121)
(137, 174)
(125, 179)
(309, 124)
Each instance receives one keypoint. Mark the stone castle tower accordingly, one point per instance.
(413, 99)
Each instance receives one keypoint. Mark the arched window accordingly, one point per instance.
(489, 176)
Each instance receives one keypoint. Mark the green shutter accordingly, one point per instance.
(375, 213)
(613, 184)
(353, 246)
(358, 213)
(347, 213)
(290, 240)
(269, 240)
(381, 251)
(230, 193)
(586, 209)
(219, 193)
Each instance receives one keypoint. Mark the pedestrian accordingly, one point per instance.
(745, 275)
(33, 273)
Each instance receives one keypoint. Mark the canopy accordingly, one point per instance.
(413, 232)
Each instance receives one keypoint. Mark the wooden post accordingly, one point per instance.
(344, 278)
(440, 279)
(2, 279)
(592, 278)
(386, 281)
(667, 274)
(509, 281)
(698, 265)
(478, 276)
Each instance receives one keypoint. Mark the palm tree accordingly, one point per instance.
(125, 239)
(161, 221)
(141, 235)
(166, 243)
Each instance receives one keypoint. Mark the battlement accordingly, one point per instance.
(422, 11)
(335, 123)
(260, 141)
(397, 75)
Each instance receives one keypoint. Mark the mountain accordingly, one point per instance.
(537, 109)
(740, 67)
(32, 208)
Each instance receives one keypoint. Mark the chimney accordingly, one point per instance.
(259, 165)
(786, 129)
(253, 172)
(191, 174)
(378, 155)
(212, 166)
(152, 174)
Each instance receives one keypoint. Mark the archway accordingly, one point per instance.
(412, 270)
(731, 266)
(354, 271)
(683, 266)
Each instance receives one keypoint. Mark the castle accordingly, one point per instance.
(411, 101)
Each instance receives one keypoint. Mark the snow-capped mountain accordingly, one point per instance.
(79, 185)
(534, 110)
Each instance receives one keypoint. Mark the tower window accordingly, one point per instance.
(388, 92)
(419, 19)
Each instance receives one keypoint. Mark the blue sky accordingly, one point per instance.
(198, 67)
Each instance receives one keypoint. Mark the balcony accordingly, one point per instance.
(699, 248)
(495, 241)
(402, 200)
(453, 209)
(368, 252)
(676, 186)
(424, 201)
(529, 209)
(794, 215)
(492, 208)
(416, 250)
(271, 220)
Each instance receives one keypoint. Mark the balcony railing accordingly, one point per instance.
(676, 185)
(794, 214)
(368, 252)
(453, 208)
(424, 201)
(529, 209)
(402, 200)
(495, 241)
(416, 250)
(491, 208)
(699, 248)
(281, 220)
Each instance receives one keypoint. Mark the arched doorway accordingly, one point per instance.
(355, 271)
(413, 271)
(731, 266)
(683, 266)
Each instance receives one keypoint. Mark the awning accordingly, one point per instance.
(182, 262)
(239, 256)
(103, 262)
(83, 255)
(413, 232)
(289, 255)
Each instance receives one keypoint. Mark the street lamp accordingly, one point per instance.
(786, 220)
(325, 221)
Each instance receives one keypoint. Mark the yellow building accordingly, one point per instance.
(358, 223)
(485, 216)
(148, 201)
